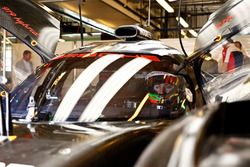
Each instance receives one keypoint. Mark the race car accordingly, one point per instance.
(93, 106)
(99, 81)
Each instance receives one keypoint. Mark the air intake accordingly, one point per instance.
(132, 32)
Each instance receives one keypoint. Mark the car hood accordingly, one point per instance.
(223, 24)
(48, 144)
(33, 24)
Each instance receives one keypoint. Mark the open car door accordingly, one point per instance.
(226, 22)
(33, 24)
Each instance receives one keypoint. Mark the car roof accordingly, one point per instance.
(149, 47)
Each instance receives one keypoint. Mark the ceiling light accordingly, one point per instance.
(166, 6)
(183, 22)
(84, 34)
(184, 34)
(61, 40)
(194, 33)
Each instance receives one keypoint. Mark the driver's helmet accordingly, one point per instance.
(166, 91)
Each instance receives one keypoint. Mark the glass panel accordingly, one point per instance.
(226, 69)
(121, 105)
(17, 65)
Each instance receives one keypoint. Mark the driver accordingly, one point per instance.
(166, 92)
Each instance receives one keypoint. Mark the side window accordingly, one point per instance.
(17, 60)
(225, 71)
(228, 58)
(28, 88)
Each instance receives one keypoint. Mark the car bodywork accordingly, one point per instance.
(51, 86)
(82, 144)
(208, 137)
(151, 52)
(106, 127)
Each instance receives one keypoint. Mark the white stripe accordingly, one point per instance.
(80, 85)
(110, 88)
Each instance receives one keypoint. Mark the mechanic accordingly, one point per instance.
(232, 56)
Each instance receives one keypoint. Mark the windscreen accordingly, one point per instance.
(110, 87)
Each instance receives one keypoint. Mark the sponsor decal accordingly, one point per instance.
(223, 22)
(19, 21)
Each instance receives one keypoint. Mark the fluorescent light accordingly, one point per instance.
(194, 33)
(183, 22)
(184, 34)
(61, 40)
(166, 6)
(12, 37)
(84, 34)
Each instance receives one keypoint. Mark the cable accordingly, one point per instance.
(149, 11)
(179, 28)
(137, 111)
(80, 15)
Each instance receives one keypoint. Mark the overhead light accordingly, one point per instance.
(166, 6)
(194, 33)
(84, 34)
(12, 37)
(172, 0)
(184, 34)
(61, 40)
(183, 22)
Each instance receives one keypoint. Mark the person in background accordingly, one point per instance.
(246, 57)
(232, 56)
(24, 67)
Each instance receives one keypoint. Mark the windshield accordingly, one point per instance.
(94, 88)
(226, 69)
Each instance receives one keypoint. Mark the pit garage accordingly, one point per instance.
(124, 83)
